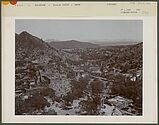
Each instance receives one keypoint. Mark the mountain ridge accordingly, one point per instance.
(70, 44)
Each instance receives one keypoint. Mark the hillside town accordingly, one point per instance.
(103, 80)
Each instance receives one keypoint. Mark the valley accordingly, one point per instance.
(90, 80)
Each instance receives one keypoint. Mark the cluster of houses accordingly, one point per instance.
(28, 76)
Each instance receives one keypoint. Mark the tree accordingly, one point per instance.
(94, 101)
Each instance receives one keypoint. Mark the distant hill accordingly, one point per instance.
(72, 44)
(115, 43)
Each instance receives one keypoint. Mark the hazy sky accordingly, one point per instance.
(83, 30)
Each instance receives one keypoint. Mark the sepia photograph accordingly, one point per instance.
(79, 67)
